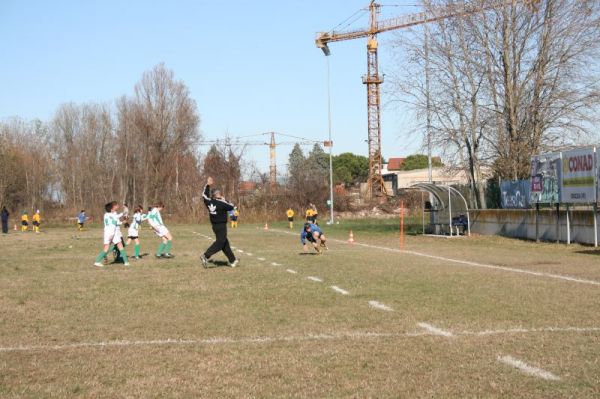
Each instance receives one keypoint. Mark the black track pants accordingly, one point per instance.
(221, 243)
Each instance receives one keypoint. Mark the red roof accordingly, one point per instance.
(247, 186)
(395, 163)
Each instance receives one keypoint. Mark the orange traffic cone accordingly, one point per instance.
(351, 238)
(266, 226)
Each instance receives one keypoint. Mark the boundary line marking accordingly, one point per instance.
(528, 369)
(434, 330)
(380, 306)
(315, 279)
(267, 339)
(470, 263)
(291, 271)
(339, 290)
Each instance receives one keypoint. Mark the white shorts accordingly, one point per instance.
(161, 231)
(112, 238)
(133, 232)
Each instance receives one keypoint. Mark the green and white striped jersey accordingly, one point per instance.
(111, 222)
(154, 218)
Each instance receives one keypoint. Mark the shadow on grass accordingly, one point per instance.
(589, 252)
(307, 253)
(217, 263)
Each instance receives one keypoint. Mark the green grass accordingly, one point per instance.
(277, 334)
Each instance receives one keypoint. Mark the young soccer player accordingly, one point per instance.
(112, 234)
(36, 221)
(134, 230)
(315, 213)
(309, 214)
(234, 214)
(155, 220)
(313, 234)
(24, 221)
(290, 216)
(81, 218)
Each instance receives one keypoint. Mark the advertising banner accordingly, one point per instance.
(578, 183)
(515, 194)
(545, 178)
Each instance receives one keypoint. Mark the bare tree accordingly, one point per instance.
(505, 84)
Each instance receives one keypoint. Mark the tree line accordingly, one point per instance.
(493, 88)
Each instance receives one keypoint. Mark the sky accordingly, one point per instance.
(251, 66)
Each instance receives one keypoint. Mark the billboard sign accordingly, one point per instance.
(578, 183)
(515, 194)
(545, 178)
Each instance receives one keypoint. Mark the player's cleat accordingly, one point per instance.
(168, 256)
(126, 264)
(159, 256)
(98, 264)
(235, 263)
(137, 257)
(204, 261)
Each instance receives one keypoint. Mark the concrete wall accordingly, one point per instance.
(520, 223)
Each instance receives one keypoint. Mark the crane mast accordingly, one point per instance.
(373, 80)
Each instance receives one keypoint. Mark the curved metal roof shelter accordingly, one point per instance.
(449, 203)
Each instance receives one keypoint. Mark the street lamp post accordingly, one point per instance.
(330, 142)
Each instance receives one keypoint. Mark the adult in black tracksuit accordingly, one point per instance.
(217, 210)
(5, 215)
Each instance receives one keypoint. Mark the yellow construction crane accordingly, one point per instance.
(372, 79)
(272, 144)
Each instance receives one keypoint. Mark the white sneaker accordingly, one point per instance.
(126, 264)
(98, 264)
(234, 263)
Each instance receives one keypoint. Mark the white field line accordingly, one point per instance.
(248, 253)
(211, 341)
(529, 331)
(275, 264)
(267, 339)
(240, 251)
(527, 369)
(339, 290)
(261, 259)
(315, 279)
(434, 330)
(472, 264)
(291, 271)
(380, 306)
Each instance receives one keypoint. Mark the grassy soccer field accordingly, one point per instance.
(479, 317)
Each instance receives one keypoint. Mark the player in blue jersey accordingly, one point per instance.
(313, 234)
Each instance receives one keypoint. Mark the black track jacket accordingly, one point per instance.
(217, 209)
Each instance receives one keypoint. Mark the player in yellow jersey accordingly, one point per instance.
(37, 220)
(234, 216)
(290, 216)
(24, 221)
(309, 215)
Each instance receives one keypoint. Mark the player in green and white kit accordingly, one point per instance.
(155, 220)
(134, 229)
(112, 234)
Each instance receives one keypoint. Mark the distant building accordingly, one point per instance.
(396, 179)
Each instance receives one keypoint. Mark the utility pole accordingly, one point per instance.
(330, 142)
(428, 99)
(272, 163)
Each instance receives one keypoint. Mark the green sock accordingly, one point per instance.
(137, 250)
(110, 249)
(168, 247)
(161, 247)
(100, 256)
(124, 255)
